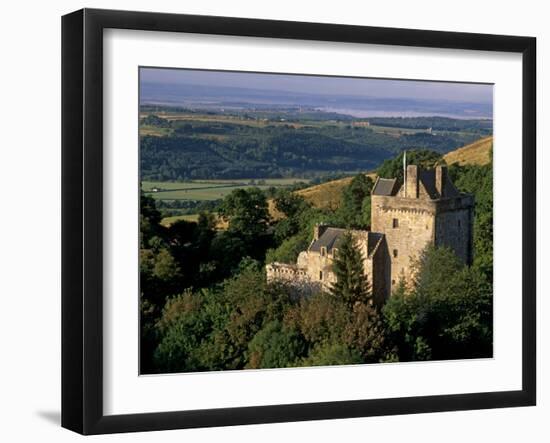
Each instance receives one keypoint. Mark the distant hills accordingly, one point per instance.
(190, 146)
(214, 97)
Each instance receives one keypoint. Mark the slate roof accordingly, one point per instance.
(329, 239)
(427, 178)
(385, 186)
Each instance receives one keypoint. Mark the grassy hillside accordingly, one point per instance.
(477, 153)
(329, 194)
(325, 195)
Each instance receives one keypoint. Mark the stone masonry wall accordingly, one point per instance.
(415, 228)
(454, 227)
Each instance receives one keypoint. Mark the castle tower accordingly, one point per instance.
(426, 209)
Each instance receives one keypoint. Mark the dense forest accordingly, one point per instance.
(484, 127)
(250, 146)
(206, 305)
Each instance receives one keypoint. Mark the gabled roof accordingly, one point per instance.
(427, 178)
(427, 183)
(385, 186)
(331, 238)
(328, 239)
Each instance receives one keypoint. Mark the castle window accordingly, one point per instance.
(395, 223)
(320, 275)
(458, 222)
(393, 282)
(323, 251)
(334, 252)
(395, 253)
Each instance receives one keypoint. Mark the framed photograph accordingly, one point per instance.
(269, 221)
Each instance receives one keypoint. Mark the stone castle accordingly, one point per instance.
(426, 209)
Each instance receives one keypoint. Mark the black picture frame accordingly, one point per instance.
(82, 218)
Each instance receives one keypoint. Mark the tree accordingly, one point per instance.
(393, 168)
(328, 354)
(246, 211)
(290, 203)
(182, 329)
(478, 180)
(288, 250)
(364, 332)
(366, 211)
(155, 120)
(354, 198)
(351, 283)
(321, 318)
(275, 346)
(446, 315)
(149, 220)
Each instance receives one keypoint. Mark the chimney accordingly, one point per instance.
(318, 230)
(440, 180)
(411, 184)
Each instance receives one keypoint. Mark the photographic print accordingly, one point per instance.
(300, 220)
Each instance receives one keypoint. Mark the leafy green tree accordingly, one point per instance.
(155, 120)
(246, 211)
(252, 303)
(364, 332)
(328, 354)
(393, 168)
(165, 267)
(159, 276)
(289, 246)
(366, 211)
(478, 180)
(288, 250)
(446, 315)
(149, 220)
(354, 197)
(285, 229)
(320, 318)
(351, 283)
(275, 346)
(290, 203)
(182, 328)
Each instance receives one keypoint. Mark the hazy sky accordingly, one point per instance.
(462, 92)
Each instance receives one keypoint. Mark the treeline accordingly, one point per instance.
(271, 112)
(206, 305)
(221, 150)
(481, 126)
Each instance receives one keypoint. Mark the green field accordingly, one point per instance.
(167, 221)
(210, 189)
(394, 131)
(154, 130)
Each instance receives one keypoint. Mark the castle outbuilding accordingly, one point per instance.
(426, 209)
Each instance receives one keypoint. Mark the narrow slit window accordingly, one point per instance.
(395, 223)
(395, 253)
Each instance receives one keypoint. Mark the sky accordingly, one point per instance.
(337, 86)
